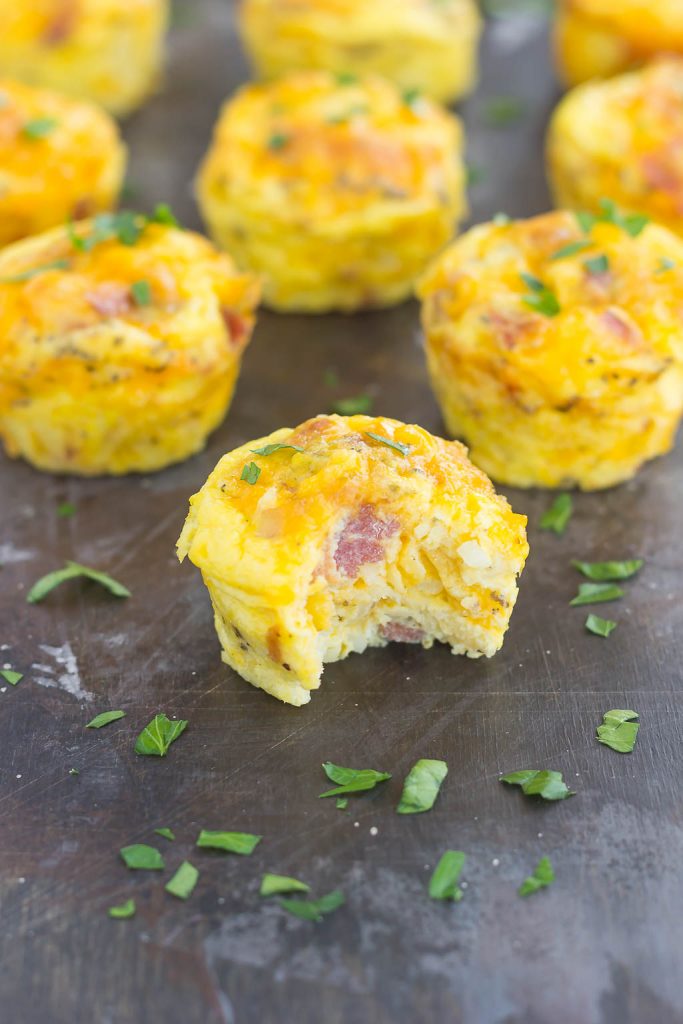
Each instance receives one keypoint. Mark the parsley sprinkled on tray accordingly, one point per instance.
(157, 737)
(352, 780)
(183, 881)
(541, 877)
(243, 843)
(599, 626)
(72, 570)
(273, 884)
(140, 857)
(105, 718)
(422, 786)
(443, 885)
(619, 730)
(607, 571)
(558, 515)
(314, 910)
(596, 593)
(545, 783)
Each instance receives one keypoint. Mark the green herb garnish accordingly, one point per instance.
(501, 220)
(500, 111)
(396, 445)
(540, 299)
(421, 786)
(231, 842)
(105, 718)
(411, 96)
(272, 884)
(475, 174)
(346, 78)
(570, 250)
(250, 473)
(352, 780)
(183, 882)
(443, 885)
(599, 626)
(595, 593)
(39, 127)
(314, 910)
(609, 570)
(544, 783)
(141, 292)
(277, 141)
(72, 571)
(157, 737)
(10, 676)
(619, 730)
(665, 264)
(26, 275)
(558, 515)
(74, 771)
(269, 449)
(632, 223)
(341, 803)
(167, 833)
(597, 265)
(140, 857)
(126, 909)
(352, 406)
(126, 227)
(66, 510)
(542, 877)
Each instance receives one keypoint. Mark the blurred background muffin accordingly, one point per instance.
(598, 38)
(336, 190)
(61, 159)
(109, 51)
(555, 348)
(418, 44)
(120, 344)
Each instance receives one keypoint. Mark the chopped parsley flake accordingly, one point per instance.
(157, 737)
(357, 406)
(619, 730)
(269, 449)
(609, 570)
(105, 718)
(250, 473)
(183, 882)
(597, 265)
(231, 842)
(632, 223)
(66, 510)
(404, 449)
(570, 250)
(314, 910)
(443, 885)
(543, 875)
(599, 626)
(342, 803)
(501, 111)
(124, 910)
(558, 515)
(540, 299)
(10, 676)
(595, 593)
(352, 780)
(72, 570)
(74, 771)
(26, 275)
(167, 833)
(422, 786)
(277, 141)
(346, 78)
(273, 884)
(665, 264)
(39, 127)
(140, 857)
(141, 292)
(545, 783)
(126, 227)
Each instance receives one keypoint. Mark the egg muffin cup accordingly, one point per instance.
(120, 344)
(554, 346)
(348, 533)
(336, 193)
(61, 159)
(109, 51)
(418, 44)
(600, 38)
(622, 138)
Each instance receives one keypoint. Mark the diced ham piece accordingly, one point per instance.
(61, 24)
(237, 326)
(402, 633)
(624, 330)
(509, 327)
(362, 540)
(110, 299)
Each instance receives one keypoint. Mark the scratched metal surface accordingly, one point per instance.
(602, 946)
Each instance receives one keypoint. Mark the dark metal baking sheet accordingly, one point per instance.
(602, 946)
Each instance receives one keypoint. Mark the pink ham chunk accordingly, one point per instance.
(402, 633)
(110, 299)
(362, 540)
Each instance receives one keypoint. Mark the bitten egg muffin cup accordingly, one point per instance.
(62, 159)
(120, 344)
(337, 193)
(348, 533)
(418, 44)
(622, 138)
(554, 346)
(109, 51)
(599, 38)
